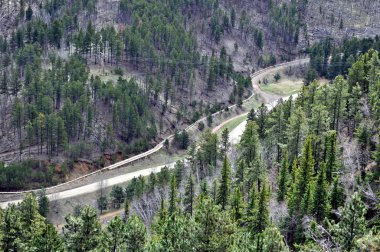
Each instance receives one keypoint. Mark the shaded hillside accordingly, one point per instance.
(81, 79)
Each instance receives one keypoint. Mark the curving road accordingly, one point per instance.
(61, 191)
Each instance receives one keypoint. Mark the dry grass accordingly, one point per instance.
(284, 87)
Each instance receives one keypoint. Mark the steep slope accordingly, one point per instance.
(182, 60)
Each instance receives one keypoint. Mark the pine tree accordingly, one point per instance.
(114, 235)
(240, 175)
(251, 115)
(252, 204)
(376, 154)
(294, 195)
(307, 199)
(117, 194)
(188, 200)
(178, 172)
(4, 83)
(256, 172)
(337, 101)
(173, 196)
(277, 131)
(225, 142)
(320, 206)
(152, 181)
(29, 212)
(237, 205)
(136, 236)
(17, 118)
(82, 233)
(306, 165)
(296, 131)
(262, 120)
(331, 157)
(352, 224)
(43, 203)
(225, 184)
(261, 217)
(282, 180)
(28, 13)
(337, 194)
(214, 190)
(126, 208)
(204, 190)
(249, 142)
(12, 230)
(272, 240)
(47, 239)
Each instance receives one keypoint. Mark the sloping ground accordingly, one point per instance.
(116, 174)
(358, 19)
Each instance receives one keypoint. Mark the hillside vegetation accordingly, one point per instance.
(180, 60)
(305, 178)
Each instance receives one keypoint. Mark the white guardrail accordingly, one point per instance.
(161, 144)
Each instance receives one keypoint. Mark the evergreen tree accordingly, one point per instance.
(215, 229)
(12, 230)
(189, 196)
(251, 115)
(282, 180)
(249, 142)
(237, 205)
(278, 129)
(114, 235)
(240, 175)
(152, 181)
(225, 142)
(173, 196)
(135, 236)
(272, 240)
(262, 120)
(28, 13)
(126, 208)
(82, 233)
(308, 198)
(47, 239)
(306, 165)
(255, 173)
(337, 101)
(296, 131)
(294, 195)
(225, 184)
(320, 206)
(376, 154)
(204, 190)
(117, 194)
(29, 212)
(4, 83)
(261, 217)
(337, 194)
(252, 202)
(331, 156)
(102, 203)
(43, 203)
(352, 224)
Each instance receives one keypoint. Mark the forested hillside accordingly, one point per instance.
(55, 108)
(87, 83)
(304, 177)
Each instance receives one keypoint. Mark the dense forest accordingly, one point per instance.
(305, 175)
(54, 108)
(305, 178)
(329, 60)
(172, 58)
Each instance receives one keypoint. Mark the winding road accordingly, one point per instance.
(80, 186)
